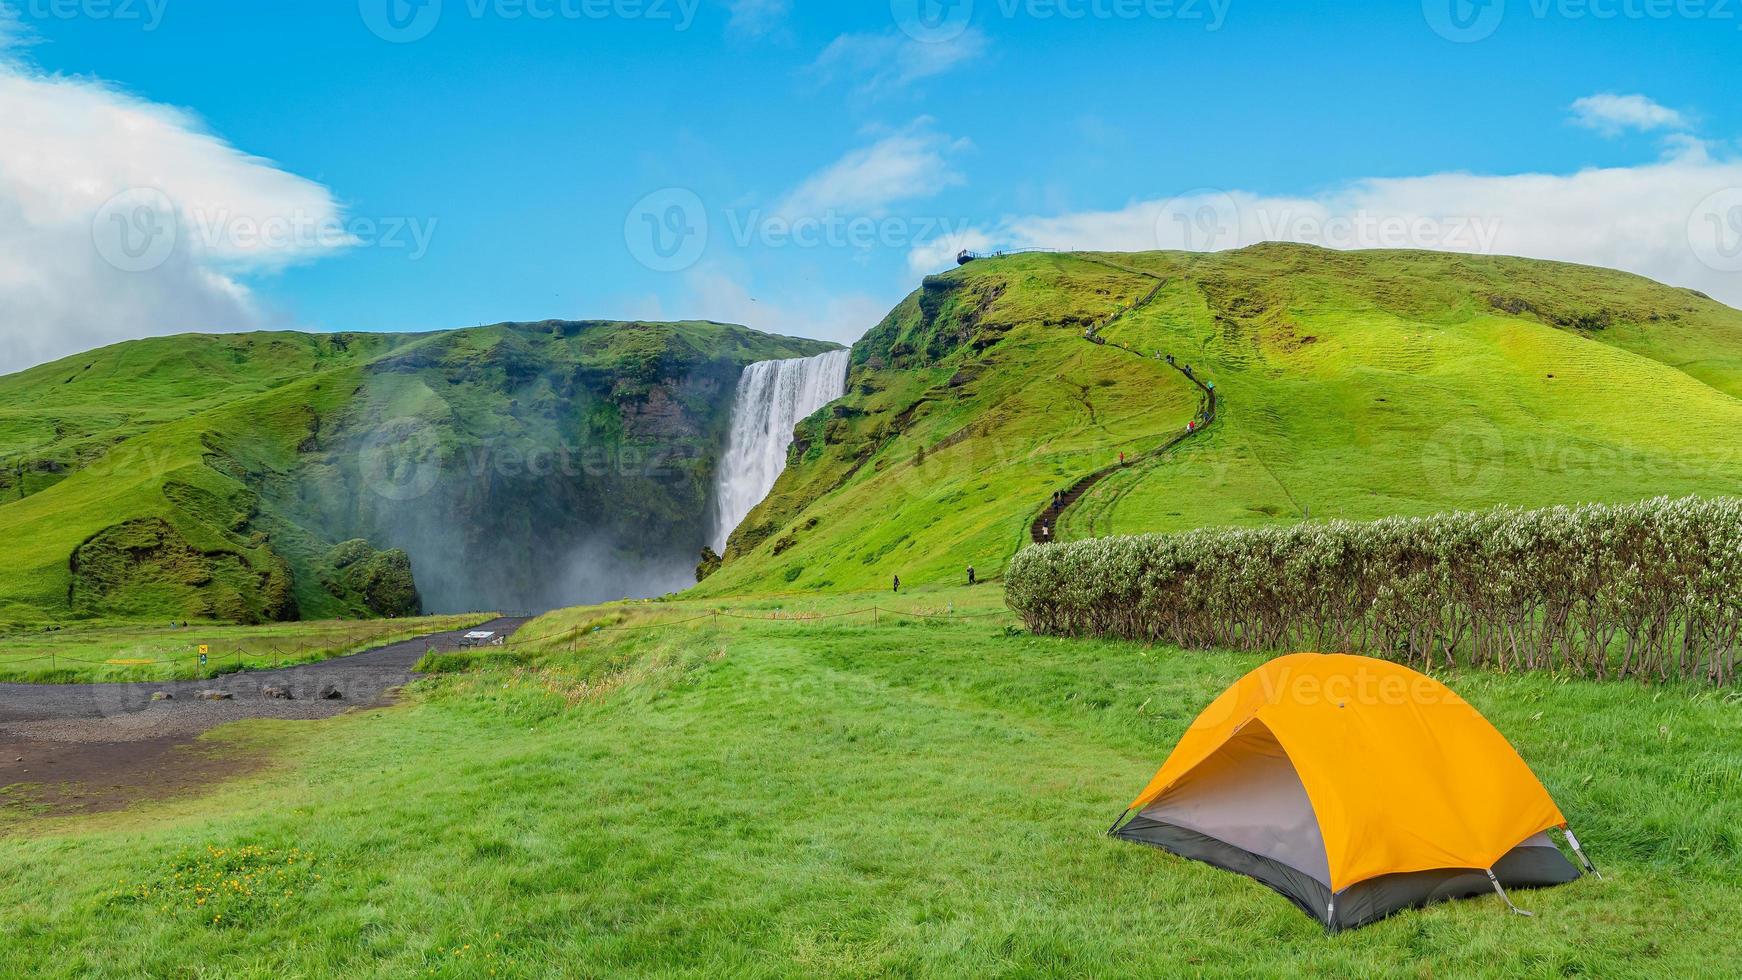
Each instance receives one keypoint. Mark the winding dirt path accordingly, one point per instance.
(96, 747)
(1044, 528)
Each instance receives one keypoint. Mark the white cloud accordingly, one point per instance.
(120, 218)
(757, 18)
(911, 164)
(12, 31)
(1612, 115)
(1677, 220)
(884, 63)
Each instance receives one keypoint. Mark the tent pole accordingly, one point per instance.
(1502, 894)
(1115, 826)
(1573, 842)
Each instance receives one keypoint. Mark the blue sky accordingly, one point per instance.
(503, 159)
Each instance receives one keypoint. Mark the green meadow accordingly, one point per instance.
(865, 784)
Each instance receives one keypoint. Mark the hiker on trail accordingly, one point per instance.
(1188, 370)
(1046, 532)
(1121, 459)
(898, 583)
(1170, 358)
(970, 575)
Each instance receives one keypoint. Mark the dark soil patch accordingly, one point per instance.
(58, 778)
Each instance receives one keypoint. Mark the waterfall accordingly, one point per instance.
(773, 397)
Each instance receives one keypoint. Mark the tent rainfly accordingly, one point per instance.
(1355, 787)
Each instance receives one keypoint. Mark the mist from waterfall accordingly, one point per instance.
(773, 397)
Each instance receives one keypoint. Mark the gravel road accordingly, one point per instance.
(111, 713)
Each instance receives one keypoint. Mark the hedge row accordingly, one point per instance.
(1639, 590)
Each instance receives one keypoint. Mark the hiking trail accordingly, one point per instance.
(1053, 510)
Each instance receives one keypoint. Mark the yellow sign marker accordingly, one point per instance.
(204, 649)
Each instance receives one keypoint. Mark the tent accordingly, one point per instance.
(1355, 787)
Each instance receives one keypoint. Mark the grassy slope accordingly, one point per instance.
(1415, 394)
(1354, 385)
(834, 798)
(210, 433)
(161, 450)
(985, 370)
(60, 417)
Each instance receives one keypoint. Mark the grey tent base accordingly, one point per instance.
(1527, 866)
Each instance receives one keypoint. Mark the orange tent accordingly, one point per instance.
(1356, 787)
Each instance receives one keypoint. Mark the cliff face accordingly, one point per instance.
(278, 476)
(536, 465)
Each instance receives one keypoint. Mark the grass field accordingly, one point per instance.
(155, 653)
(864, 794)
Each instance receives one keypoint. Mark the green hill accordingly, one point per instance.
(274, 476)
(1351, 384)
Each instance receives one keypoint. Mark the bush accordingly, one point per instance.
(1640, 590)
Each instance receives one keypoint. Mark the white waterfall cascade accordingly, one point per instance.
(773, 397)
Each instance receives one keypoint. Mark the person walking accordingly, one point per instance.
(970, 575)
(898, 583)
(1121, 459)
(1046, 533)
